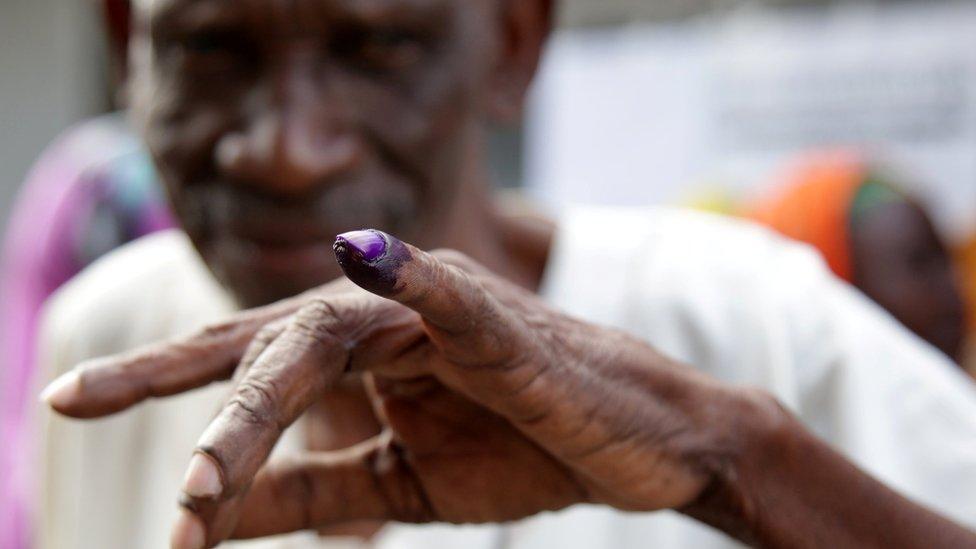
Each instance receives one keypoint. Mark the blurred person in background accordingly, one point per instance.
(277, 125)
(91, 191)
(966, 258)
(875, 236)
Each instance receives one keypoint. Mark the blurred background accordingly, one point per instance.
(723, 92)
(681, 92)
(715, 104)
(53, 72)
(707, 103)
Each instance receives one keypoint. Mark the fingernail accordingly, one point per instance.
(188, 532)
(202, 478)
(63, 390)
(371, 259)
(368, 245)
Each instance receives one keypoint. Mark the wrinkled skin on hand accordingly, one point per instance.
(493, 406)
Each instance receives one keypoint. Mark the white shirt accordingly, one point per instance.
(726, 297)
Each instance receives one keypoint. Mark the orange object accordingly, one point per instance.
(815, 206)
(965, 256)
(966, 262)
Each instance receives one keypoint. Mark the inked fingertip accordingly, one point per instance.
(371, 259)
(368, 245)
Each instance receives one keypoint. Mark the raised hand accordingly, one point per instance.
(494, 406)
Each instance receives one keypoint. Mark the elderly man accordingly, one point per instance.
(521, 378)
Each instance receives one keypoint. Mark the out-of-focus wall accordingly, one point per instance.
(507, 146)
(51, 75)
(659, 111)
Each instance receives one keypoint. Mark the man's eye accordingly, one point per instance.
(391, 39)
(215, 47)
(383, 49)
(203, 43)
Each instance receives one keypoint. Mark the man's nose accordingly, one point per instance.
(296, 142)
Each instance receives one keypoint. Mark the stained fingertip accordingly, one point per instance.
(371, 259)
(445, 295)
(188, 532)
(367, 245)
(63, 391)
(202, 478)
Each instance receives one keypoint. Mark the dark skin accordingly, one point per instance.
(901, 263)
(278, 124)
(491, 405)
(475, 431)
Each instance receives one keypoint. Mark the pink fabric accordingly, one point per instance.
(40, 253)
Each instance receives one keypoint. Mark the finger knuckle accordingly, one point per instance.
(267, 334)
(319, 320)
(256, 348)
(399, 486)
(318, 308)
(254, 402)
(215, 331)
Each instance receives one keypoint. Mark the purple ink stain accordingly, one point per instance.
(370, 245)
(371, 259)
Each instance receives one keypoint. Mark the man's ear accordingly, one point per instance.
(525, 26)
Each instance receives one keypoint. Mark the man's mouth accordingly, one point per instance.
(270, 232)
(272, 237)
(276, 251)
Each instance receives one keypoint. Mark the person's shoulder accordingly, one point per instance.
(714, 291)
(665, 243)
(132, 273)
(713, 231)
(152, 288)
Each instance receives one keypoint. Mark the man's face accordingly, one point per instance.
(277, 124)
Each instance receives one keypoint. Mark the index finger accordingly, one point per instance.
(486, 347)
(104, 386)
(464, 319)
